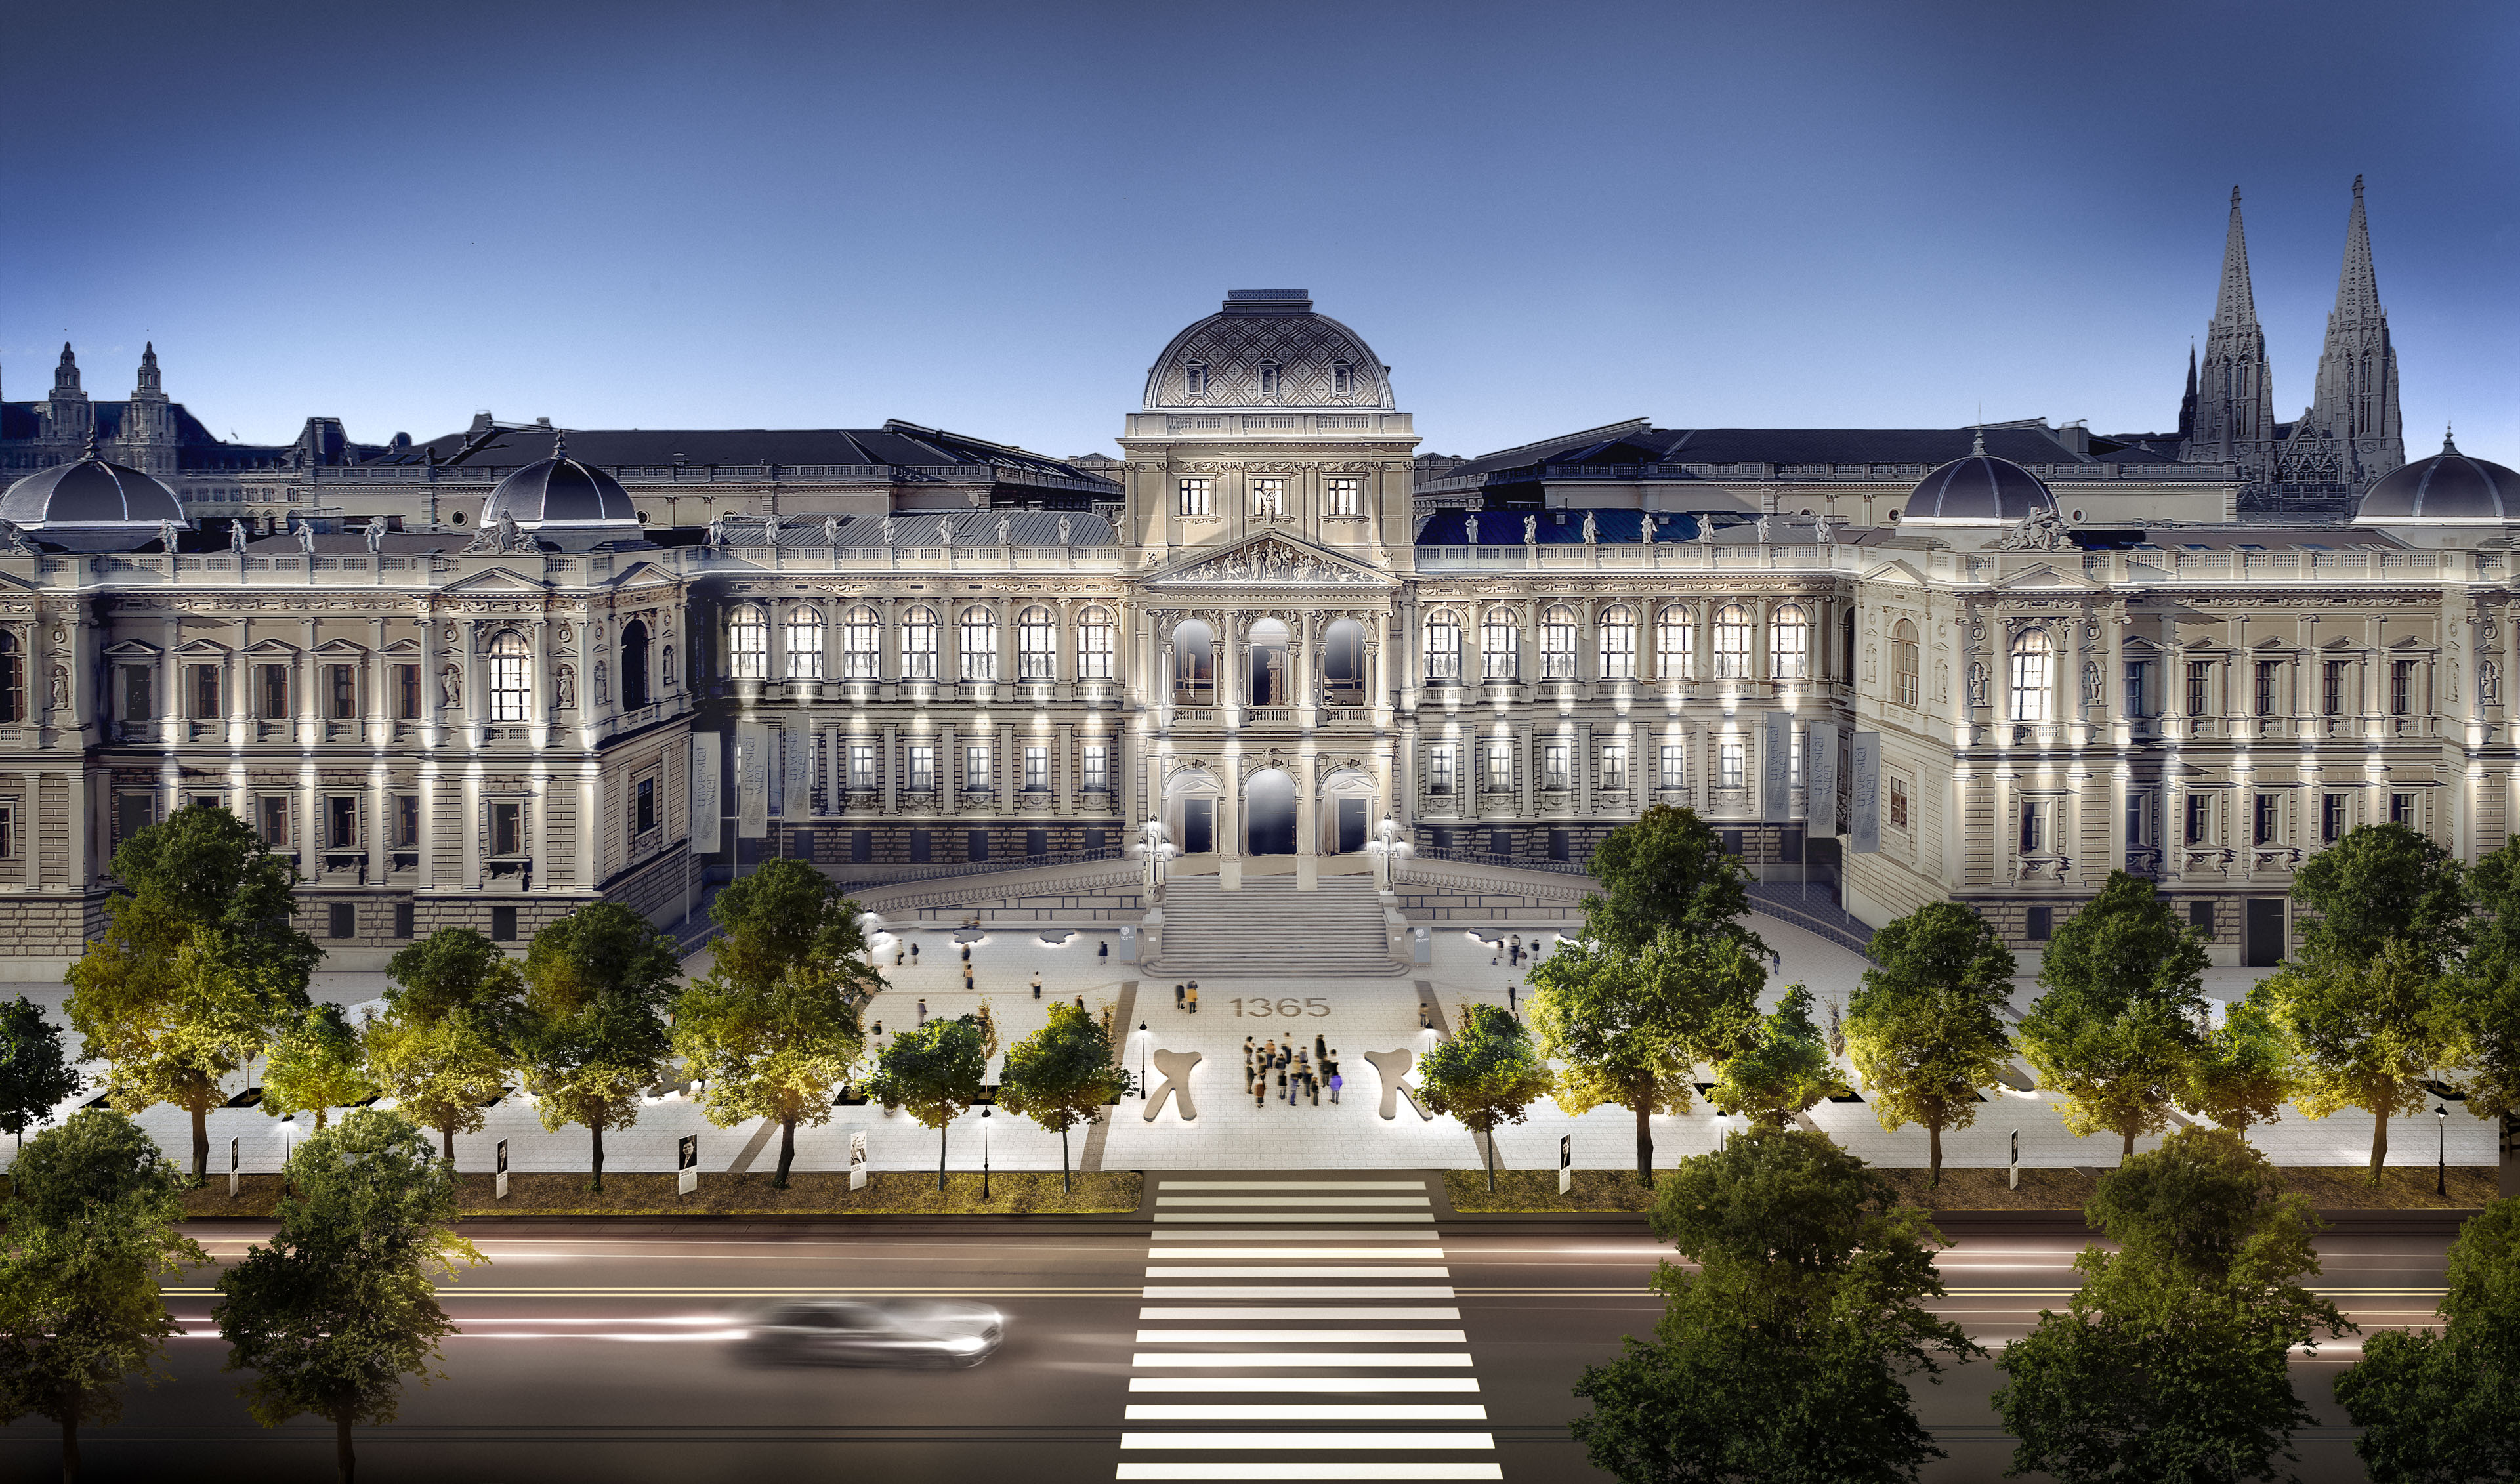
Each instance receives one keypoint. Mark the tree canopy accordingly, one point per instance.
(1487, 1074)
(1923, 1029)
(936, 1072)
(1062, 1075)
(2443, 1407)
(1667, 869)
(2363, 1032)
(35, 1075)
(592, 1035)
(317, 1064)
(2383, 882)
(1786, 1069)
(442, 1049)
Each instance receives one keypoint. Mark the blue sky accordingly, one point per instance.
(991, 217)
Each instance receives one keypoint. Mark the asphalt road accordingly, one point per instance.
(601, 1351)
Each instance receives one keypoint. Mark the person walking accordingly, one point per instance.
(922, 1012)
(1036, 983)
(1329, 1067)
(1247, 1063)
(966, 978)
(914, 955)
(967, 953)
(1179, 991)
(899, 952)
(1102, 951)
(1321, 1049)
(1194, 997)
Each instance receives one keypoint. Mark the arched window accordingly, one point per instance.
(1194, 662)
(861, 645)
(1788, 643)
(1268, 379)
(979, 644)
(1036, 644)
(1444, 646)
(1732, 642)
(2033, 662)
(510, 690)
(1500, 645)
(1557, 643)
(1675, 643)
(919, 645)
(1342, 379)
(1344, 660)
(1095, 640)
(634, 665)
(1902, 664)
(747, 643)
(804, 644)
(1195, 374)
(1619, 643)
(13, 679)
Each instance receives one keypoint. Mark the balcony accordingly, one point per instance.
(508, 873)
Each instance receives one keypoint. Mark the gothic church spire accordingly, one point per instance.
(2354, 411)
(2234, 416)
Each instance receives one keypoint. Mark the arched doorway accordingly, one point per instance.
(1269, 813)
(1270, 683)
(1194, 663)
(1347, 812)
(1343, 662)
(634, 664)
(1189, 800)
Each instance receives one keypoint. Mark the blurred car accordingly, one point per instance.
(875, 1331)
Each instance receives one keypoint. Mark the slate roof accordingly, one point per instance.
(972, 528)
(1634, 443)
(895, 443)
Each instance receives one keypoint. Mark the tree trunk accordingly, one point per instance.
(787, 1152)
(1934, 1152)
(597, 1129)
(2127, 1152)
(1645, 1143)
(201, 1144)
(940, 1159)
(2379, 1141)
(344, 1460)
(1067, 1182)
(70, 1444)
(1487, 1138)
(447, 1133)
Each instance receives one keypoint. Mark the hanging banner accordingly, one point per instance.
(704, 793)
(798, 744)
(751, 780)
(1775, 769)
(1864, 830)
(1820, 771)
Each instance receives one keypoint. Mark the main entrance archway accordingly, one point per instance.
(1269, 813)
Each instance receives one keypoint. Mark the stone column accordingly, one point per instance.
(306, 703)
(1305, 769)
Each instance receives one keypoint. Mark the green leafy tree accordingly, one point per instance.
(2243, 1072)
(2119, 1030)
(1787, 1355)
(1923, 1029)
(1062, 1075)
(1667, 869)
(2364, 1033)
(317, 1065)
(2444, 1407)
(775, 1025)
(96, 1221)
(592, 1033)
(442, 1049)
(200, 965)
(1631, 1026)
(2486, 996)
(1487, 1074)
(2172, 1360)
(35, 1075)
(936, 1072)
(2379, 883)
(342, 1304)
(1785, 1070)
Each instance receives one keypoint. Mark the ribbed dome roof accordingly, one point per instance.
(559, 491)
(1978, 490)
(90, 494)
(1266, 349)
(2450, 488)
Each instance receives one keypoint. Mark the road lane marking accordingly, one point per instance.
(1154, 1384)
(1295, 1290)
(1307, 1335)
(1277, 1472)
(1428, 1217)
(1189, 1254)
(1305, 1412)
(1466, 1441)
(1296, 1310)
(1312, 1202)
(1227, 1235)
(1291, 1185)
(1288, 1359)
(1302, 1272)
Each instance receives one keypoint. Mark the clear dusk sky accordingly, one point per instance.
(990, 217)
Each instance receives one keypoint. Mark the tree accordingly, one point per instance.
(1631, 1026)
(1487, 1074)
(442, 1049)
(2444, 1407)
(1785, 1355)
(1061, 1075)
(2364, 1033)
(1785, 1070)
(773, 1026)
(2243, 1072)
(592, 1033)
(317, 1064)
(340, 1305)
(1667, 869)
(2379, 883)
(2172, 1362)
(93, 1225)
(1922, 1029)
(198, 964)
(2485, 997)
(936, 1072)
(2118, 1031)
(34, 1073)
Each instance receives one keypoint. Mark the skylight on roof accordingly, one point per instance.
(2198, 547)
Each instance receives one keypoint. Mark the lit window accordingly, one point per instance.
(1097, 769)
(979, 644)
(1500, 765)
(1036, 770)
(506, 829)
(861, 776)
(919, 645)
(1619, 643)
(2033, 673)
(1500, 645)
(976, 777)
(508, 692)
(1036, 645)
(861, 645)
(1732, 642)
(1558, 644)
(1552, 765)
(804, 645)
(1902, 662)
(1443, 645)
(1788, 643)
(1728, 763)
(1672, 767)
(1195, 495)
(1094, 645)
(922, 768)
(747, 643)
(1675, 637)
(1268, 498)
(1345, 493)
(1439, 769)
(1614, 765)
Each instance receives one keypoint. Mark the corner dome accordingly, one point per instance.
(1266, 349)
(2450, 488)
(559, 491)
(1978, 490)
(91, 495)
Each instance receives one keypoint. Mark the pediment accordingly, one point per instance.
(2341, 641)
(403, 646)
(271, 646)
(2410, 643)
(1272, 560)
(643, 574)
(2045, 578)
(1897, 572)
(496, 579)
(202, 649)
(132, 649)
(340, 647)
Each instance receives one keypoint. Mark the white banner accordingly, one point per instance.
(1820, 771)
(799, 801)
(1864, 830)
(704, 793)
(751, 780)
(1775, 769)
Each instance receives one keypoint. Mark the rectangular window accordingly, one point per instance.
(1671, 766)
(343, 691)
(2200, 819)
(1898, 804)
(1439, 769)
(137, 697)
(205, 691)
(1794, 756)
(2200, 916)
(2041, 920)
(923, 769)
(1614, 765)
(406, 822)
(133, 813)
(1500, 766)
(1194, 496)
(1729, 763)
(271, 819)
(342, 920)
(975, 768)
(2268, 671)
(506, 829)
(1268, 498)
(923, 846)
(7, 832)
(2402, 811)
(643, 816)
(1552, 765)
(862, 766)
(2139, 673)
(1036, 770)
(2200, 682)
(2402, 687)
(2265, 820)
(2034, 829)
(975, 844)
(2138, 819)
(1345, 492)
(340, 824)
(2331, 818)
(274, 690)
(503, 924)
(403, 920)
(1096, 768)
(2331, 687)
(205, 801)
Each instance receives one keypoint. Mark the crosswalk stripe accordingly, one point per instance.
(1308, 1200)
(1309, 1270)
(1287, 1360)
(1341, 1472)
(1291, 1185)
(1295, 1311)
(1466, 1441)
(1305, 1412)
(1193, 1255)
(1279, 1385)
(1289, 1290)
(1403, 1235)
(1310, 1337)
(1358, 1217)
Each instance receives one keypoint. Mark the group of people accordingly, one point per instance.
(1186, 996)
(1300, 1076)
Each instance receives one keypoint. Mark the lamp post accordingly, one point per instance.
(984, 1152)
(2441, 1148)
(1142, 1062)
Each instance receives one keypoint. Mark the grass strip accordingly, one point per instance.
(1025, 1192)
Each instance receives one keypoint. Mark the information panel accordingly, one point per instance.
(704, 793)
(751, 780)
(1820, 767)
(1775, 769)
(1863, 832)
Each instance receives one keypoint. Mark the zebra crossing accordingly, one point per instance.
(1267, 1358)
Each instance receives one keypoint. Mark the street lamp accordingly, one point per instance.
(984, 1152)
(2441, 1148)
(1142, 1062)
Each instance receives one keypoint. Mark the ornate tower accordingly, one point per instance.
(2188, 403)
(147, 435)
(67, 417)
(2351, 433)
(2235, 420)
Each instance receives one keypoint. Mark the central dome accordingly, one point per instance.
(2450, 488)
(1978, 490)
(91, 495)
(1265, 350)
(559, 491)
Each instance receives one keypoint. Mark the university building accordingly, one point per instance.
(475, 679)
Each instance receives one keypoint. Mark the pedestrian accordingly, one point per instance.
(1080, 1002)
(966, 978)
(1330, 1065)
(1102, 950)
(1422, 1024)
(1320, 1049)
(898, 952)
(922, 1012)
(1247, 1063)
(967, 953)
(1179, 991)
(914, 955)
(1194, 997)
(1036, 983)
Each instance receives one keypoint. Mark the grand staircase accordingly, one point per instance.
(1269, 929)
